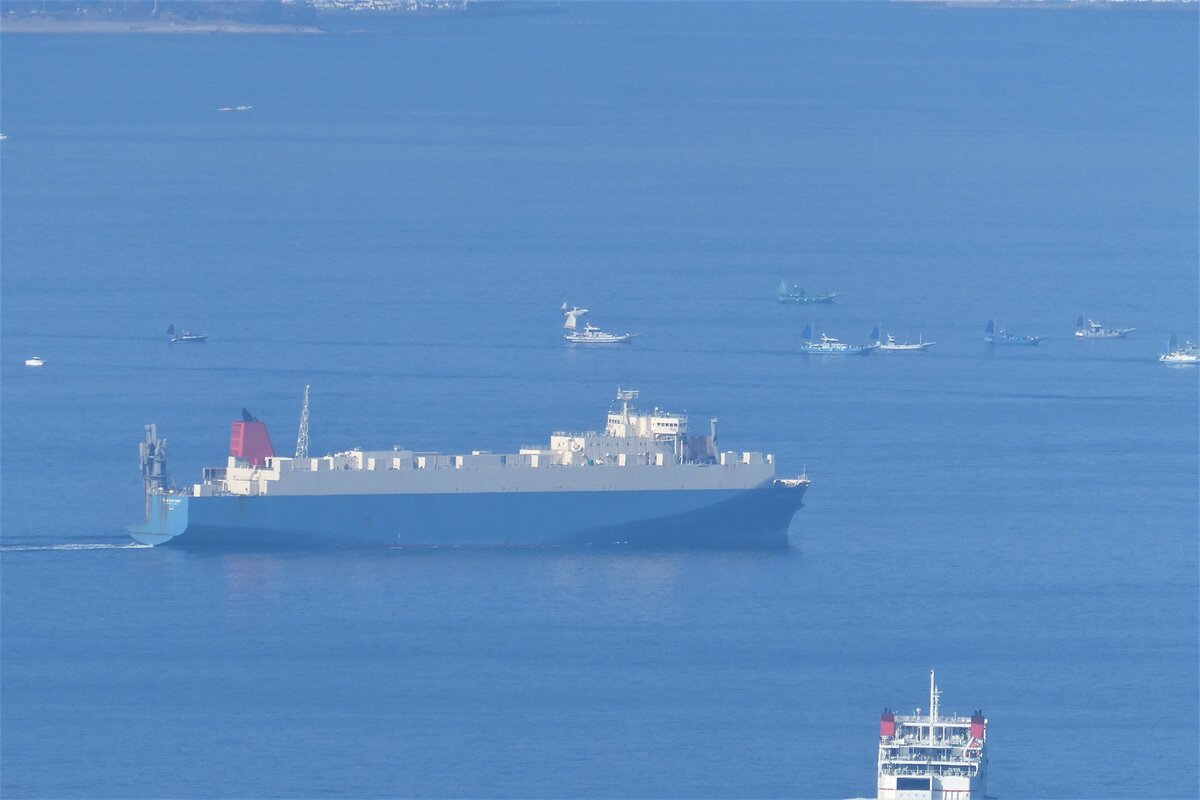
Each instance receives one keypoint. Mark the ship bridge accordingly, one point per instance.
(931, 756)
(658, 437)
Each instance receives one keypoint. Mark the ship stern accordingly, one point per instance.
(166, 518)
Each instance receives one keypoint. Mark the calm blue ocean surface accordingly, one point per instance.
(397, 221)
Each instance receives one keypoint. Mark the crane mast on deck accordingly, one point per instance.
(302, 436)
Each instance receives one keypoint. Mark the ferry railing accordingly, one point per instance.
(950, 772)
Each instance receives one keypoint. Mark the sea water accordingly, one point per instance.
(396, 222)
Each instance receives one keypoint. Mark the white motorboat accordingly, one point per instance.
(828, 345)
(890, 343)
(34, 361)
(185, 337)
(1094, 330)
(1186, 353)
(590, 334)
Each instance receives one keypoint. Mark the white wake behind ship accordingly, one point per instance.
(644, 479)
(930, 756)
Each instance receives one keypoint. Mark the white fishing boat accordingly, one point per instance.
(243, 108)
(1186, 353)
(184, 337)
(828, 345)
(34, 361)
(589, 334)
(889, 343)
(1094, 330)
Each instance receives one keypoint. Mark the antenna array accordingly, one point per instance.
(302, 436)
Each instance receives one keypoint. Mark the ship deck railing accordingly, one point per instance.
(922, 741)
(952, 772)
(917, 719)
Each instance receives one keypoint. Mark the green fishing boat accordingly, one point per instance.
(795, 294)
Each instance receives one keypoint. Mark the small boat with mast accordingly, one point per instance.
(827, 345)
(184, 337)
(795, 294)
(1002, 337)
(890, 343)
(590, 334)
(1094, 330)
(1186, 353)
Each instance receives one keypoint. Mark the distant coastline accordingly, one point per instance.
(158, 16)
(55, 25)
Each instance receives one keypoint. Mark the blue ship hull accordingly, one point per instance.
(755, 517)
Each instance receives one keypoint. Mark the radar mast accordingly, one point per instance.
(302, 436)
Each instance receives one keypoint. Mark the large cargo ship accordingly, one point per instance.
(932, 757)
(644, 479)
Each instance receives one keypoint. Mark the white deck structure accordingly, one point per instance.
(932, 757)
(635, 452)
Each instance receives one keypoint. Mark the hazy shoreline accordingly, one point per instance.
(52, 25)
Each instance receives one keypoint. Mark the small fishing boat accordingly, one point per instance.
(34, 361)
(1003, 337)
(827, 345)
(1094, 330)
(797, 295)
(589, 334)
(1187, 353)
(891, 344)
(184, 336)
(243, 108)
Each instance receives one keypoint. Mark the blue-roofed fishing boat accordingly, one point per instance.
(1003, 337)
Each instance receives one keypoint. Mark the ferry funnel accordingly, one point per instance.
(249, 441)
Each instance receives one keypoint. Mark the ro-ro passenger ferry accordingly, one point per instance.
(932, 757)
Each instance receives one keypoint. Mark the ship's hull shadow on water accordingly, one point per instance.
(755, 519)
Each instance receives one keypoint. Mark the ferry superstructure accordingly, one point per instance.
(930, 756)
(644, 479)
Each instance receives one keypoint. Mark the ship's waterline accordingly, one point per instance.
(642, 480)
